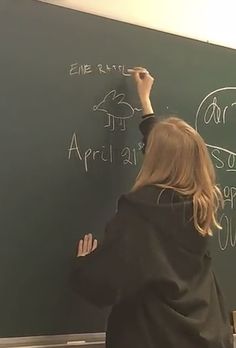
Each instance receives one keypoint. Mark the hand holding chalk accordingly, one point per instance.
(144, 82)
(140, 71)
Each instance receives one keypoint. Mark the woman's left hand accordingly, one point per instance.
(86, 245)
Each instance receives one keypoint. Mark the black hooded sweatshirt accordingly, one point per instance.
(155, 270)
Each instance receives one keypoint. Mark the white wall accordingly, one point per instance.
(206, 20)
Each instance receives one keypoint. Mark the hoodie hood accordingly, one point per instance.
(170, 213)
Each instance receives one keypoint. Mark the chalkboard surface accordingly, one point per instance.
(70, 144)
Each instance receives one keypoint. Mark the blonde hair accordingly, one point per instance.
(176, 157)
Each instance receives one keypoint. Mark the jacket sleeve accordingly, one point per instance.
(146, 126)
(97, 276)
(115, 270)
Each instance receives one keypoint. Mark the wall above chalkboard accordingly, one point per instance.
(178, 18)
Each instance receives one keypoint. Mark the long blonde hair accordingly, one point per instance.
(176, 157)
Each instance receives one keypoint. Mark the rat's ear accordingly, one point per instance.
(100, 106)
(119, 98)
(110, 95)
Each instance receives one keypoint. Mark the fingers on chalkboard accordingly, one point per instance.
(86, 245)
(95, 244)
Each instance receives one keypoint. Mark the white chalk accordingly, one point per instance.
(137, 70)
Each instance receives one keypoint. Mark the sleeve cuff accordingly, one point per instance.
(147, 116)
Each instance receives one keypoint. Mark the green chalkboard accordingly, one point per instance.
(69, 145)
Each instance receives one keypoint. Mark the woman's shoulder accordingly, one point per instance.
(155, 194)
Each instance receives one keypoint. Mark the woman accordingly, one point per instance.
(154, 266)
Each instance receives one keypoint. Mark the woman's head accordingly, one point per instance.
(177, 157)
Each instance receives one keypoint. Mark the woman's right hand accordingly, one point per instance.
(144, 82)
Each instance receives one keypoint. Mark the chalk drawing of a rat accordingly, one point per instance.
(114, 106)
